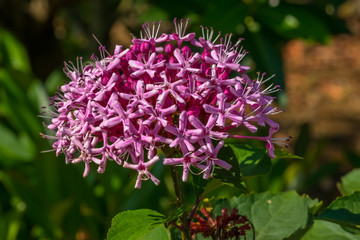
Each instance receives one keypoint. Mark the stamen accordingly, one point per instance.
(283, 142)
(176, 27)
(81, 64)
(150, 32)
(101, 48)
(240, 54)
(187, 21)
(46, 151)
(254, 111)
(211, 33)
(219, 34)
(153, 29)
(146, 30)
(49, 137)
(69, 67)
(271, 89)
(180, 28)
(202, 31)
(145, 176)
(264, 81)
(43, 116)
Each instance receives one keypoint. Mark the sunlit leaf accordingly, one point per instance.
(324, 230)
(350, 182)
(253, 161)
(10, 223)
(15, 53)
(274, 216)
(344, 210)
(138, 224)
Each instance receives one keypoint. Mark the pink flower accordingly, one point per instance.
(184, 65)
(189, 159)
(166, 91)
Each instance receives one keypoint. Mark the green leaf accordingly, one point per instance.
(274, 216)
(233, 175)
(138, 224)
(10, 145)
(174, 216)
(324, 230)
(199, 183)
(10, 223)
(281, 154)
(159, 232)
(350, 182)
(15, 53)
(55, 79)
(8, 83)
(344, 210)
(253, 161)
(20, 113)
(38, 95)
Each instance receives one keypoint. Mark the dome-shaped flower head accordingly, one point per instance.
(166, 91)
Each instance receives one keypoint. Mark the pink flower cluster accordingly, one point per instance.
(174, 92)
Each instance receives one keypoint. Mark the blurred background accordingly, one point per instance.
(311, 46)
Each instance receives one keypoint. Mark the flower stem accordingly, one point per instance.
(193, 210)
(185, 233)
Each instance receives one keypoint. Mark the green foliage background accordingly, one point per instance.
(41, 197)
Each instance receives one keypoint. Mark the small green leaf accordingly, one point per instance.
(15, 53)
(253, 161)
(344, 210)
(198, 183)
(174, 216)
(324, 230)
(10, 223)
(281, 154)
(20, 113)
(38, 95)
(138, 224)
(55, 79)
(233, 175)
(274, 216)
(9, 85)
(10, 145)
(350, 182)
